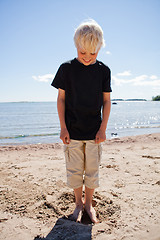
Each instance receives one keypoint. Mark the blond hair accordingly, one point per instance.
(89, 36)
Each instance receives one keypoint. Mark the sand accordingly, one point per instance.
(35, 201)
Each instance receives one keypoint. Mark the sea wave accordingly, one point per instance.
(29, 135)
(146, 126)
(137, 127)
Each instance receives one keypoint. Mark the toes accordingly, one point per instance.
(79, 218)
(92, 214)
(77, 215)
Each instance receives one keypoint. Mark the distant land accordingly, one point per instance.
(134, 99)
(157, 98)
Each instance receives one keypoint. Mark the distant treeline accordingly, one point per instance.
(157, 98)
(120, 99)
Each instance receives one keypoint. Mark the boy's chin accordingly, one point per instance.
(87, 63)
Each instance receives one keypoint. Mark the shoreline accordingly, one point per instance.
(112, 139)
(34, 197)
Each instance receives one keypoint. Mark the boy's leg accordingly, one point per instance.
(77, 214)
(88, 204)
(92, 161)
(74, 154)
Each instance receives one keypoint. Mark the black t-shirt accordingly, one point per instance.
(84, 87)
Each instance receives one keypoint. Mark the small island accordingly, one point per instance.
(157, 98)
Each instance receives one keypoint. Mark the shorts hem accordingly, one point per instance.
(74, 187)
(92, 187)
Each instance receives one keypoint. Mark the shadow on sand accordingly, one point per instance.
(65, 229)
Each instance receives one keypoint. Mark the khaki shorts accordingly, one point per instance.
(82, 163)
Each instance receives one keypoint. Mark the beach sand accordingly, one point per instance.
(35, 200)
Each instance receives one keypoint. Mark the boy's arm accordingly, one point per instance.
(64, 135)
(101, 134)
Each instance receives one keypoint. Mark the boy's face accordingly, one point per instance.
(86, 57)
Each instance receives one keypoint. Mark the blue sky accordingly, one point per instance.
(37, 36)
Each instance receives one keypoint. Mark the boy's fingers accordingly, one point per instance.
(97, 140)
(66, 140)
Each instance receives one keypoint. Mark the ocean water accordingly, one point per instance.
(37, 122)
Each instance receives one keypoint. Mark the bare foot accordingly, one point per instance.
(77, 214)
(91, 213)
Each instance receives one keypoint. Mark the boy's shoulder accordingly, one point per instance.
(66, 66)
(67, 63)
(103, 66)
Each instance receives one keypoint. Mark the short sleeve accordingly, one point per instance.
(107, 80)
(59, 79)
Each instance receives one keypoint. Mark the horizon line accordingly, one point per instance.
(114, 99)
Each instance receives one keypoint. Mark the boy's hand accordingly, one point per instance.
(64, 136)
(100, 136)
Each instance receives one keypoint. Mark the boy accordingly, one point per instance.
(83, 88)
